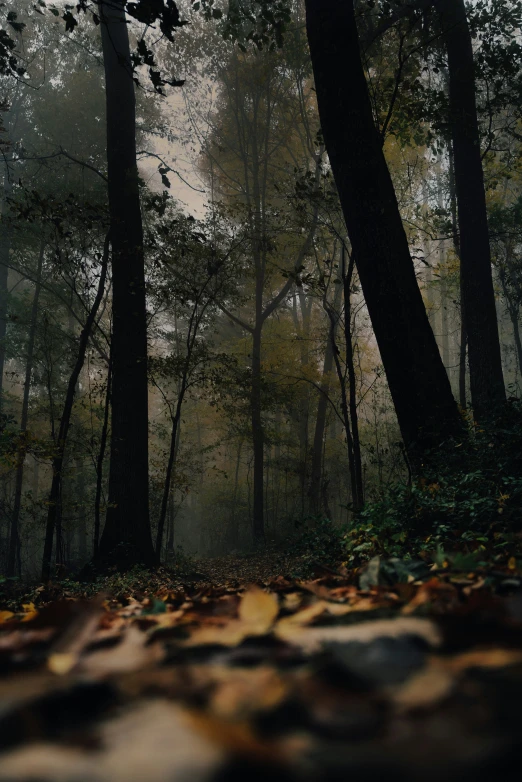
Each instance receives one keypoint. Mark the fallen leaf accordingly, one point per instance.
(313, 638)
(424, 689)
(259, 610)
(243, 692)
(131, 654)
(257, 613)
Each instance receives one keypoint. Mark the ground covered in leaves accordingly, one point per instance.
(397, 670)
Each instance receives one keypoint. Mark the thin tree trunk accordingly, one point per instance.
(316, 470)
(170, 529)
(5, 247)
(456, 246)
(352, 380)
(418, 383)
(13, 559)
(258, 441)
(82, 511)
(54, 510)
(233, 520)
(513, 314)
(126, 538)
(100, 459)
(485, 365)
(174, 441)
(344, 409)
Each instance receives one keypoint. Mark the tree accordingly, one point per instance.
(13, 559)
(478, 298)
(126, 537)
(65, 419)
(418, 383)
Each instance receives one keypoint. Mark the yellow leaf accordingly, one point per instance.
(61, 663)
(258, 610)
(5, 616)
(29, 612)
(512, 563)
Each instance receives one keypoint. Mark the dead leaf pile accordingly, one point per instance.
(295, 681)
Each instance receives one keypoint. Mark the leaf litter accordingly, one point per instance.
(319, 679)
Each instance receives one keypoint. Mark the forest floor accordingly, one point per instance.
(240, 670)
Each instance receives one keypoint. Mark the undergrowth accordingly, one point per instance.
(467, 506)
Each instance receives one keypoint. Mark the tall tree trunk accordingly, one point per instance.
(82, 510)
(54, 509)
(485, 366)
(13, 559)
(234, 531)
(316, 469)
(344, 406)
(5, 247)
(463, 343)
(126, 538)
(170, 528)
(418, 383)
(513, 314)
(167, 486)
(258, 440)
(100, 459)
(352, 380)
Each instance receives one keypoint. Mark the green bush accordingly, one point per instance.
(469, 499)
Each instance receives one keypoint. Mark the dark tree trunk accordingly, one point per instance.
(167, 486)
(258, 440)
(344, 407)
(316, 469)
(126, 538)
(13, 559)
(418, 383)
(5, 247)
(513, 314)
(352, 380)
(100, 459)
(82, 511)
(54, 510)
(234, 530)
(485, 366)
(170, 528)
(456, 246)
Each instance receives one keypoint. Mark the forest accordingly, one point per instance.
(261, 368)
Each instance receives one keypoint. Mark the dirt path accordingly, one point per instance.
(259, 567)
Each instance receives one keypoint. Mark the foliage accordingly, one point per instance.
(470, 499)
(319, 543)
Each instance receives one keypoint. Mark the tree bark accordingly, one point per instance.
(167, 486)
(13, 559)
(126, 538)
(484, 356)
(352, 390)
(456, 246)
(258, 439)
(53, 513)
(100, 459)
(82, 511)
(5, 247)
(316, 469)
(421, 392)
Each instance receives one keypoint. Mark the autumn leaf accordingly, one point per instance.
(258, 610)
